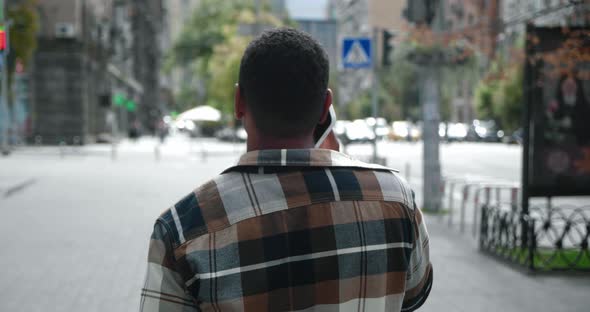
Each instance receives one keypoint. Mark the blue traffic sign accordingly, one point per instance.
(356, 53)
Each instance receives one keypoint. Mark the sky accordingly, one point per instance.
(313, 9)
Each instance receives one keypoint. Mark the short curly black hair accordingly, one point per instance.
(283, 78)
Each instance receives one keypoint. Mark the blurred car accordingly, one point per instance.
(357, 131)
(382, 129)
(456, 132)
(403, 130)
(515, 138)
(340, 129)
(484, 131)
(230, 134)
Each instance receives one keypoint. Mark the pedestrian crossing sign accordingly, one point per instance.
(356, 53)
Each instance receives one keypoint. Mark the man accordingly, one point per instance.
(290, 227)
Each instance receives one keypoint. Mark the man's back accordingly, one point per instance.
(288, 230)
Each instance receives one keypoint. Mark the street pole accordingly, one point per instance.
(5, 112)
(374, 93)
(257, 23)
(431, 118)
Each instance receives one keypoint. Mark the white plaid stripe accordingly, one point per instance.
(267, 189)
(333, 184)
(386, 303)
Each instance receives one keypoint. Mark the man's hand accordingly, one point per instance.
(331, 142)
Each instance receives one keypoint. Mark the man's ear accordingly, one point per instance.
(327, 104)
(239, 103)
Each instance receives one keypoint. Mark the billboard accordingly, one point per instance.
(557, 88)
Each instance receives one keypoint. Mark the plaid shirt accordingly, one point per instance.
(291, 230)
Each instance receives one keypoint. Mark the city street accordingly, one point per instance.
(76, 225)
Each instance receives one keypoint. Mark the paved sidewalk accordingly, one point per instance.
(467, 280)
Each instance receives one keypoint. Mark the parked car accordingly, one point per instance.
(382, 129)
(456, 132)
(230, 134)
(405, 131)
(357, 131)
(515, 138)
(484, 131)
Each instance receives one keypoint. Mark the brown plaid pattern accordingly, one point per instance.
(291, 230)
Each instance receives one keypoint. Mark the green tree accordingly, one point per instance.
(211, 46)
(484, 100)
(509, 99)
(205, 29)
(224, 69)
(500, 96)
(23, 32)
(360, 107)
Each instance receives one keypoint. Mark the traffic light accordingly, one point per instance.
(131, 106)
(2, 38)
(119, 99)
(104, 100)
(421, 11)
(387, 47)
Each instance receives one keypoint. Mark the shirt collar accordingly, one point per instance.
(302, 158)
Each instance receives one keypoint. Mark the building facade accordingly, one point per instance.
(326, 32)
(68, 78)
(88, 53)
(477, 23)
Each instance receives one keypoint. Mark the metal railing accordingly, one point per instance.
(546, 239)
(473, 194)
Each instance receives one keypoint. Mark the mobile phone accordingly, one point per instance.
(323, 130)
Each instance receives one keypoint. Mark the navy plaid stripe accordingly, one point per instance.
(306, 272)
(298, 157)
(348, 185)
(191, 218)
(168, 220)
(298, 243)
(318, 186)
(268, 156)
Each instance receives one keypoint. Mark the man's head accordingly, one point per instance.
(283, 84)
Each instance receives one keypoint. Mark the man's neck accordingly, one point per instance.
(280, 143)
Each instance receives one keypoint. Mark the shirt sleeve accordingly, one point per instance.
(164, 288)
(419, 280)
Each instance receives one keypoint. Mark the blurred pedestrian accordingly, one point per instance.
(290, 227)
(161, 130)
(134, 130)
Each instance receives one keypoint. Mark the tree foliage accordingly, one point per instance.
(501, 97)
(23, 32)
(211, 46)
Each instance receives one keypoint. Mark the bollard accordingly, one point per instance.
(475, 210)
(62, 149)
(463, 207)
(514, 198)
(76, 145)
(408, 172)
(113, 150)
(203, 153)
(451, 206)
(451, 194)
(157, 152)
